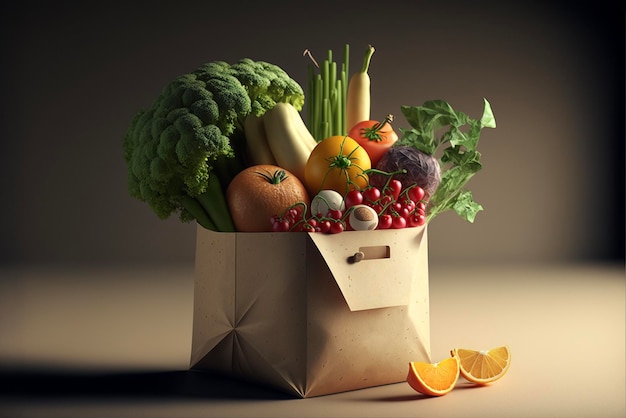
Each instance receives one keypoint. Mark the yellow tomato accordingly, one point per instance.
(337, 163)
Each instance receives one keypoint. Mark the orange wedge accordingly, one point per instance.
(485, 366)
(434, 379)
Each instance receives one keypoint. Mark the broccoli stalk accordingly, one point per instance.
(210, 209)
(196, 210)
(182, 152)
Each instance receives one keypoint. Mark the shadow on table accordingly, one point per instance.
(172, 385)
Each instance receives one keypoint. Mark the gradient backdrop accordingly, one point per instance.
(75, 73)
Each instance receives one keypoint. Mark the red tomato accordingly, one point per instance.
(376, 137)
(416, 219)
(404, 212)
(323, 226)
(338, 163)
(394, 188)
(336, 227)
(386, 200)
(371, 194)
(416, 193)
(408, 204)
(384, 221)
(352, 198)
(334, 214)
(306, 227)
(398, 222)
(280, 225)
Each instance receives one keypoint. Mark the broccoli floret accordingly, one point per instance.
(184, 149)
(267, 84)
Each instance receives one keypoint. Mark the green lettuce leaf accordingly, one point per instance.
(437, 129)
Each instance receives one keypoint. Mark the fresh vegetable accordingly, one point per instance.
(376, 137)
(384, 221)
(421, 168)
(289, 146)
(184, 149)
(332, 213)
(457, 146)
(352, 198)
(300, 126)
(371, 194)
(287, 131)
(393, 188)
(295, 219)
(326, 100)
(337, 227)
(338, 163)
(260, 192)
(257, 145)
(363, 218)
(359, 92)
(398, 222)
(416, 194)
(325, 201)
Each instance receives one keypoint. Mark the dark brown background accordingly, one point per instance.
(73, 75)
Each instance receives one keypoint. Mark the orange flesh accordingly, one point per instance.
(483, 366)
(434, 379)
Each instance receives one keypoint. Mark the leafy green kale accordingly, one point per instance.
(437, 129)
(185, 148)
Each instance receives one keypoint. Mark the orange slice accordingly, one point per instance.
(434, 379)
(485, 366)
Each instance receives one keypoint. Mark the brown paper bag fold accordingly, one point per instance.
(292, 311)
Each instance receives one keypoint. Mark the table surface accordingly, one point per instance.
(115, 341)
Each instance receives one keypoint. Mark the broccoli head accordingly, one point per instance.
(176, 149)
(267, 84)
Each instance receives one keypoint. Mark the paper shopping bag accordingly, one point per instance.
(309, 313)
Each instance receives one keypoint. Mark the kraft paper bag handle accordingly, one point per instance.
(379, 270)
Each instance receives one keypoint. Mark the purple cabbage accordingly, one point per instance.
(421, 169)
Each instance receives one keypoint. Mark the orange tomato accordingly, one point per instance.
(337, 163)
(259, 192)
(376, 137)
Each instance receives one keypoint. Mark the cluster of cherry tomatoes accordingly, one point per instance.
(395, 207)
